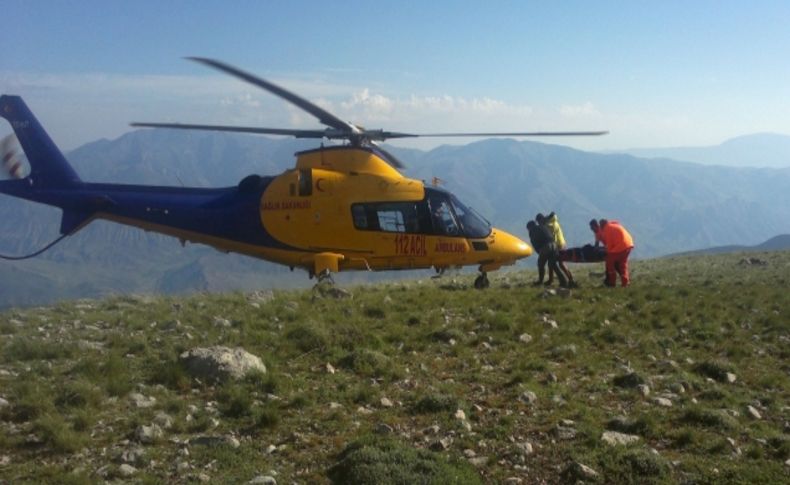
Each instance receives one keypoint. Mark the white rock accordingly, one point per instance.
(460, 414)
(583, 471)
(3, 403)
(203, 478)
(5, 460)
(263, 480)
(228, 440)
(643, 389)
(441, 444)
(163, 420)
(753, 412)
(221, 322)
(142, 401)
(148, 434)
(132, 456)
(220, 363)
(329, 368)
(525, 338)
(386, 403)
(526, 447)
(662, 401)
(126, 471)
(528, 397)
(614, 438)
(731, 377)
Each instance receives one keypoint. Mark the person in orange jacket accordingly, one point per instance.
(618, 243)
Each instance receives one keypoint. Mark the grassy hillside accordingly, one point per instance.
(416, 381)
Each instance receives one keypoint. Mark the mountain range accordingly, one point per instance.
(668, 206)
(776, 243)
(756, 150)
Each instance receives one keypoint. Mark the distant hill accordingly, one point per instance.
(668, 206)
(777, 243)
(758, 150)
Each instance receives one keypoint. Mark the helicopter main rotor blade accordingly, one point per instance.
(238, 129)
(389, 134)
(323, 115)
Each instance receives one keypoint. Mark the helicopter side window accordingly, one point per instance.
(360, 216)
(305, 182)
(391, 221)
(407, 217)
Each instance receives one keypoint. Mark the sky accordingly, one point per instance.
(655, 74)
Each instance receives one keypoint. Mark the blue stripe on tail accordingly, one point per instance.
(48, 166)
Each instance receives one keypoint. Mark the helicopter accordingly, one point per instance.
(342, 207)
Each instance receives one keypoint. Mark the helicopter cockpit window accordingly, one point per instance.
(475, 226)
(305, 182)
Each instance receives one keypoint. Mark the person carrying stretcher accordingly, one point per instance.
(553, 223)
(618, 243)
(542, 239)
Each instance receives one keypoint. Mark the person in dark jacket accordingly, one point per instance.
(552, 222)
(542, 240)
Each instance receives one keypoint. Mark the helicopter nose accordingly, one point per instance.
(510, 246)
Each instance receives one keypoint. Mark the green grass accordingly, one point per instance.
(431, 349)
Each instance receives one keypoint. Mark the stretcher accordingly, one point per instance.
(585, 254)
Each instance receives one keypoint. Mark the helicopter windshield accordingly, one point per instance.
(473, 224)
(452, 218)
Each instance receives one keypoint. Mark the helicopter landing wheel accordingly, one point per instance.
(481, 282)
(325, 276)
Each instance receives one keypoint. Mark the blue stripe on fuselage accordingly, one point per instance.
(226, 213)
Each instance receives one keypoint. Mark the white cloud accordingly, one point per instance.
(580, 110)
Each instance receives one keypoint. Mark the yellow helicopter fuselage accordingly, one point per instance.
(344, 208)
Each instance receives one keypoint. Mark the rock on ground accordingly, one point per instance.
(126, 471)
(614, 438)
(580, 471)
(220, 363)
(263, 480)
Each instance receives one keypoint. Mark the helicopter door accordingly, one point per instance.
(444, 223)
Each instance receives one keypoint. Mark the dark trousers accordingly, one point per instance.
(549, 254)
